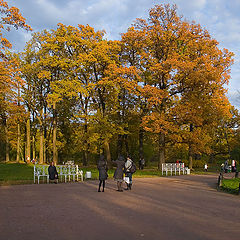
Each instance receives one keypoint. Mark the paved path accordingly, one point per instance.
(173, 208)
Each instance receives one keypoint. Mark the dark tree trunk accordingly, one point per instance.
(190, 150)
(141, 135)
(108, 153)
(18, 142)
(28, 143)
(18, 131)
(55, 160)
(41, 148)
(126, 143)
(119, 145)
(86, 151)
(45, 136)
(7, 148)
(161, 150)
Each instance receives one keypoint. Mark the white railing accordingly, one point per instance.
(66, 172)
(174, 168)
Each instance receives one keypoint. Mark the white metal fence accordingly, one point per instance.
(174, 168)
(65, 173)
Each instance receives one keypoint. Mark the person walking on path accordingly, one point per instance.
(118, 174)
(52, 172)
(205, 167)
(102, 168)
(128, 172)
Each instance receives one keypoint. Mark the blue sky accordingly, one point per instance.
(220, 17)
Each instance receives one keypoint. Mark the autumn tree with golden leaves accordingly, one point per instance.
(181, 64)
(9, 77)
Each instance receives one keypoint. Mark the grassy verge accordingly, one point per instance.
(138, 173)
(15, 173)
(231, 185)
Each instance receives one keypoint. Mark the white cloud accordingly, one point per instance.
(234, 98)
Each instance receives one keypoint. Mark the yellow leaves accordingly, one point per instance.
(66, 88)
(44, 74)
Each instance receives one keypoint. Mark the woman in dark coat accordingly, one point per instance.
(118, 174)
(102, 168)
(52, 172)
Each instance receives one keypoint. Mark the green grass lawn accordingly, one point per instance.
(138, 173)
(16, 173)
(231, 185)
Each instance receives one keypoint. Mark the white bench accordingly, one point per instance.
(174, 168)
(65, 172)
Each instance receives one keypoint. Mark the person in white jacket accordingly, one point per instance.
(128, 173)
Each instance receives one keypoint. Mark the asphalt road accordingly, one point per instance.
(172, 208)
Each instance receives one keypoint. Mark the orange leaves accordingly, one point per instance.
(10, 17)
(183, 75)
(10, 81)
(159, 123)
(15, 19)
(153, 95)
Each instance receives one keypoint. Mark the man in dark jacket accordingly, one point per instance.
(118, 174)
(52, 172)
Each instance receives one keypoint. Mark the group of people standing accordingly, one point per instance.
(123, 167)
(127, 167)
(226, 168)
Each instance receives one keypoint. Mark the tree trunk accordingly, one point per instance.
(45, 136)
(18, 130)
(119, 145)
(190, 150)
(33, 148)
(126, 144)
(161, 150)
(41, 148)
(28, 143)
(18, 142)
(140, 143)
(108, 153)
(228, 145)
(7, 148)
(85, 157)
(85, 154)
(55, 160)
(41, 145)
(33, 140)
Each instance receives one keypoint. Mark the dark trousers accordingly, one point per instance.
(100, 183)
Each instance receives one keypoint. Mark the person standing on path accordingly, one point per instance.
(128, 169)
(52, 172)
(141, 163)
(233, 166)
(226, 166)
(102, 168)
(118, 174)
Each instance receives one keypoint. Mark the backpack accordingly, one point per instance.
(133, 168)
